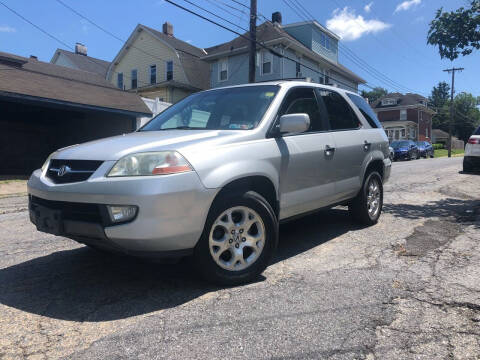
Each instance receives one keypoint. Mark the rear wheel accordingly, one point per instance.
(367, 205)
(239, 239)
(467, 167)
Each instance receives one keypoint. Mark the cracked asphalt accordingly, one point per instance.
(406, 288)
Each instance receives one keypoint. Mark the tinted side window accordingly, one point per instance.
(303, 101)
(340, 114)
(477, 132)
(366, 110)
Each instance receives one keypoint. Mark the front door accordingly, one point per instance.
(306, 175)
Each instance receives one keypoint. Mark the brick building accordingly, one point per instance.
(405, 116)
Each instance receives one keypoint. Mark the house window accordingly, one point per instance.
(134, 78)
(223, 69)
(327, 78)
(403, 114)
(421, 115)
(297, 69)
(403, 133)
(321, 79)
(169, 72)
(153, 74)
(120, 80)
(426, 132)
(389, 101)
(267, 58)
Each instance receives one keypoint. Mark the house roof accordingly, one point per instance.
(439, 133)
(402, 100)
(267, 32)
(84, 62)
(196, 70)
(37, 80)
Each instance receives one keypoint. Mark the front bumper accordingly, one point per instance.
(401, 155)
(172, 210)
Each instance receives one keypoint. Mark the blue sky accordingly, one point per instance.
(390, 35)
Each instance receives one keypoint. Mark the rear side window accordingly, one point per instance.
(303, 101)
(340, 114)
(477, 132)
(366, 110)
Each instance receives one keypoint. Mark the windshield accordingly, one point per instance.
(420, 143)
(397, 144)
(240, 108)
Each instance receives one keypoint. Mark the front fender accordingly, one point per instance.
(230, 171)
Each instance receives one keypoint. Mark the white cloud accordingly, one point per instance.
(368, 7)
(349, 26)
(407, 4)
(7, 29)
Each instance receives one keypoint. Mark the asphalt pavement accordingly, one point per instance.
(406, 288)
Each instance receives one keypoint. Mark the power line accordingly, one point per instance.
(217, 16)
(214, 3)
(273, 51)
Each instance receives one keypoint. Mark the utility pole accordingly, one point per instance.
(452, 108)
(253, 41)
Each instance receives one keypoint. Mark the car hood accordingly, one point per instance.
(116, 147)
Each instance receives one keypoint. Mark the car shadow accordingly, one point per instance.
(84, 285)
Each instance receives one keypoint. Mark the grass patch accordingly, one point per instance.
(444, 152)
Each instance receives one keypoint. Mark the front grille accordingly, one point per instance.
(74, 211)
(68, 171)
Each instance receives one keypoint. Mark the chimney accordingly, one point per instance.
(168, 29)
(80, 49)
(33, 57)
(277, 17)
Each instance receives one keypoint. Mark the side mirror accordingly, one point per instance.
(294, 123)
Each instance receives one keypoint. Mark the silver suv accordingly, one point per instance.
(214, 175)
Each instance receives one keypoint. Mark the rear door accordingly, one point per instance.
(306, 176)
(352, 143)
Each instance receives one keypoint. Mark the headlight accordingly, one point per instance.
(45, 164)
(150, 163)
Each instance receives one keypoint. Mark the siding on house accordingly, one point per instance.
(153, 51)
(311, 37)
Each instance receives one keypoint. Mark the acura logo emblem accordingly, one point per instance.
(64, 169)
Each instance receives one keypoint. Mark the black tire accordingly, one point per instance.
(466, 167)
(358, 207)
(204, 261)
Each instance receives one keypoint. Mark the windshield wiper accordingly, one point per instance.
(184, 128)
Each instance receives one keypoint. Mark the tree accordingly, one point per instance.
(467, 115)
(439, 101)
(456, 32)
(375, 94)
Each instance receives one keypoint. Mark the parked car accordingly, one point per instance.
(471, 159)
(213, 175)
(425, 149)
(392, 153)
(405, 150)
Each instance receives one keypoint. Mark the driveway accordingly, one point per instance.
(406, 288)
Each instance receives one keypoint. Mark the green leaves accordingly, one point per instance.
(456, 32)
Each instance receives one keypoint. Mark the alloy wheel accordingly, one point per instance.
(373, 198)
(237, 238)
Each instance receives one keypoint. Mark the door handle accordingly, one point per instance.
(329, 150)
(366, 145)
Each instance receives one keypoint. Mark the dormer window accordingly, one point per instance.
(389, 101)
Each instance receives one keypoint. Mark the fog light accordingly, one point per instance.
(119, 213)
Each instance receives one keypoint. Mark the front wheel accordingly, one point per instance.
(239, 239)
(367, 205)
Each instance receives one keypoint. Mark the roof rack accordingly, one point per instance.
(307, 79)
